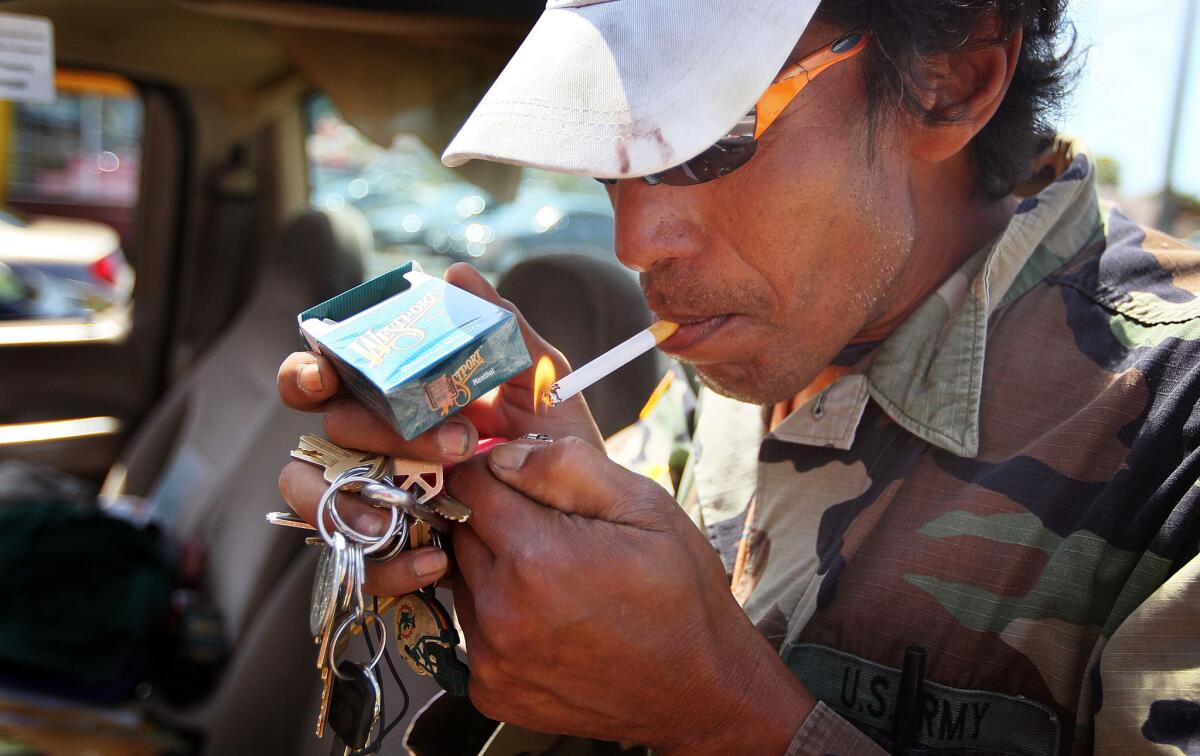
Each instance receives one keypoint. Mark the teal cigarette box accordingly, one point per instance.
(413, 348)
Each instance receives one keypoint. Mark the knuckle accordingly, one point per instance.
(558, 357)
(285, 482)
(524, 569)
(485, 672)
(566, 452)
(330, 424)
(483, 698)
(337, 420)
(493, 669)
(291, 481)
(529, 566)
(503, 627)
(655, 511)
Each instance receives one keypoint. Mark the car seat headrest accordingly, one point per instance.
(321, 251)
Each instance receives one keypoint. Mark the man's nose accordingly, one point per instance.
(653, 225)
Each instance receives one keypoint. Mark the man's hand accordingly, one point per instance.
(308, 382)
(592, 606)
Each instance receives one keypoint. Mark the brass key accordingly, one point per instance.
(335, 460)
(326, 690)
(420, 533)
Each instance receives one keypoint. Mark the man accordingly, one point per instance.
(950, 413)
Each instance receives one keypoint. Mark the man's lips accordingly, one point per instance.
(692, 331)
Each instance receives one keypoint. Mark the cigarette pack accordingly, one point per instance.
(413, 348)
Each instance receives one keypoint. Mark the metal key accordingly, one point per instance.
(331, 574)
(335, 460)
(451, 508)
(424, 480)
(436, 511)
(288, 520)
(405, 501)
(328, 596)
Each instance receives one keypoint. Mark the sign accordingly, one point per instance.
(26, 58)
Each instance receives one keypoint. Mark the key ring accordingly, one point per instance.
(341, 628)
(328, 503)
(400, 542)
(373, 543)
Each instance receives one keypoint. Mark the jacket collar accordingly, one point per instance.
(928, 374)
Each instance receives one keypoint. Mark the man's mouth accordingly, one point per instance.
(692, 331)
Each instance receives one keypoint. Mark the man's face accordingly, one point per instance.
(774, 268)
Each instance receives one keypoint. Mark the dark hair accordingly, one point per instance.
(907, 32)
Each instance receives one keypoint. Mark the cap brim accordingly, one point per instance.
(626, 88)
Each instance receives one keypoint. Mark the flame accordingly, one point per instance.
(543, 378)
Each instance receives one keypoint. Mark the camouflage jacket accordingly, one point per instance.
(1009, 481)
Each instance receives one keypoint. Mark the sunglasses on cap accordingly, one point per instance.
(735, 149)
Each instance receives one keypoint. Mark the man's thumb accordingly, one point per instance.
(573, 477)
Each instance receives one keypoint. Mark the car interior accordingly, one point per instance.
(208, 170)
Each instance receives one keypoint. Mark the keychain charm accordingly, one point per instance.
(427, 638)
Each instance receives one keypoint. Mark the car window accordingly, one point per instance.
(68, 210)
(419, 209)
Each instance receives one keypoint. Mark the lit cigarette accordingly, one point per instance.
(608, 363)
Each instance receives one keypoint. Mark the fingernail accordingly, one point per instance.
(430, 563)
(453, 438)
(511, 456)
(371, 523)
(310, 378)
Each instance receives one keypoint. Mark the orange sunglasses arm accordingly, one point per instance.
(795, 78)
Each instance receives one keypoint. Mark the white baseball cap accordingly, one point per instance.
(627, 88)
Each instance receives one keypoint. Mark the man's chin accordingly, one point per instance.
(754, 383)
(734, 381)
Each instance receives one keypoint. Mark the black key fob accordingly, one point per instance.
(354, 704)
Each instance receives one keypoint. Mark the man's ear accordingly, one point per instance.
(961, 91)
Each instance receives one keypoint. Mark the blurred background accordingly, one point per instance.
(1138, 107)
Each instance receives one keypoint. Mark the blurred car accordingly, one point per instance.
(575, 232)
(60, 268)
(431, 221)
(539, 222)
